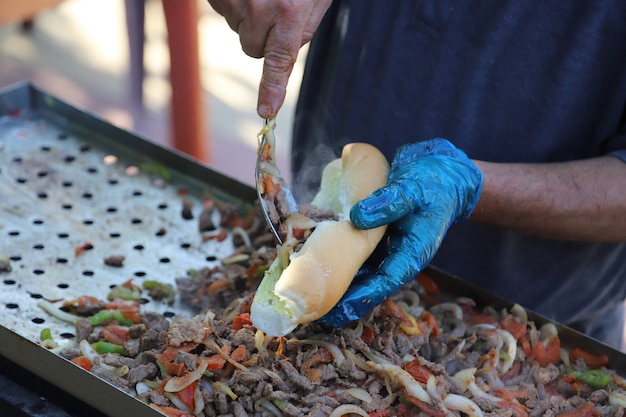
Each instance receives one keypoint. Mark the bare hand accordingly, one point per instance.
(276, 30)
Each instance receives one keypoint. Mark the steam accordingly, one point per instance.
(306, 181)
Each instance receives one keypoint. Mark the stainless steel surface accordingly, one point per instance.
(68, 179)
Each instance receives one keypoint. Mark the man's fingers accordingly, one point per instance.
(281, 52)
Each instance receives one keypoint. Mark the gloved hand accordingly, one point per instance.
(431, 185)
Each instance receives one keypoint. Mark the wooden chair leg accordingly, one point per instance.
(188, 116)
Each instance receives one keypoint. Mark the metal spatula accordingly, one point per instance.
(276, 199)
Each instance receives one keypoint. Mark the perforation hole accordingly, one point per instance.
(63, 285)
(38, 320)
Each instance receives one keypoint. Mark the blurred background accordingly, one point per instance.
(80, 51)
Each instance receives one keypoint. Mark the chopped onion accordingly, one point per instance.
(332, 348)
(360, 394)
(519, 312)
(142, 388)
(358, 361)
(87, 351)
(345, 409)
(265, 404)
(463, 404)
(465, 380)
(452, 308)
(403, 378)
(548, 332)
(238, 230)
(233, 259)
(198, 400)
(510, 345)
(375, 358)
(618, 398)
(179, 383)
(222, 387)
(177, 402)
(53, 310)
(271, 374)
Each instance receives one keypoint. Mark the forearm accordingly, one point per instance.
(580, 200)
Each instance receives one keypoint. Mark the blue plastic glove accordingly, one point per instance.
(431, 185)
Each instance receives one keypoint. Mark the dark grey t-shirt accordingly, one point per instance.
(505, 81)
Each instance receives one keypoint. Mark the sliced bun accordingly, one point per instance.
(319, 274)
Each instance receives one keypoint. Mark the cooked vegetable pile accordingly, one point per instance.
(417, 354)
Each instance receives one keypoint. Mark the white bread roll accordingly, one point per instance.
(321, 271)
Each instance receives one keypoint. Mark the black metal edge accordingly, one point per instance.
(70, 378)
(453, 286)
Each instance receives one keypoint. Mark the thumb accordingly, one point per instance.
(386, 205)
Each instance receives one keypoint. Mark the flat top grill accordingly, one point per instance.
(75, 190)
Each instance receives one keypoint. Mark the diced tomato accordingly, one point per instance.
(115, 334)
(169, 354)
(586, 410)
(217, 361)
(513, 326)
(246, 303)
(171, 411)
(477, 318)
(593, 361)
(548, 352)
(253, 273)
(511, 394)
(241, 320)
(82, 301)
(239, 354)
(368, 335)
(83, 362)
(419, 372)
(298, 233)
(271, 188)
(526, 347)
(425, 407)
(431, 322)
(217, 285)
(429, 285)
(129, 308)
(391, 310)
(78, 250)
(186, 395)
(175, 368)
(516, 407)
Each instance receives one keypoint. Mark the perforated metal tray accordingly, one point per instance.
(75, 190)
